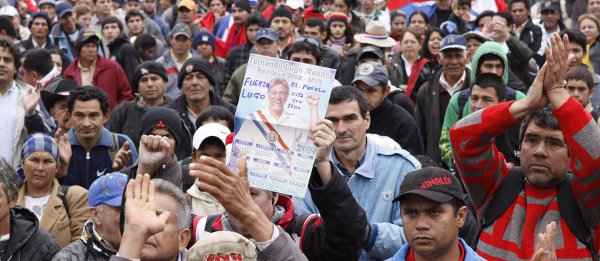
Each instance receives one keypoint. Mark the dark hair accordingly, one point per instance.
(38, 60)
(397, 13)
(348, 93)
(42, 16)
(314, 22)
(8, 43)
(215, 112)
(582, 73)
(88, 93)
(304, 46)
(525, 2)
(425, 52)
(576, 37)
(490, 80)
(65, 60)
(506, 16)
(111, 20)
(543, 118)
(347, 33)
(144, 41)
(484, 14)
(7, 26)
(487, 57)
(421, 13)
(256, 20)
(132, 14)
(463, 2)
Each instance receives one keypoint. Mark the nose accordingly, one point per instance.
(421, 223)
(540, 150)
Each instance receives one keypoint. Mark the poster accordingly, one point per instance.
(278, 103)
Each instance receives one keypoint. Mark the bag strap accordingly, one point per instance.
(63, 190)
(114, 148)
(571, 213)
(463, 97)
(503, 197)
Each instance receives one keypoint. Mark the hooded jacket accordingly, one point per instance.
(125, 55)
(452, 112)
(27, 241)
(173, 123)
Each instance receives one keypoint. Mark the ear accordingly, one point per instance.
(105, 119)
(461, 216)
(368, 119)
(94, 215)
(184, 238)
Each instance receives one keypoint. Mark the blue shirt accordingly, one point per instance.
(470, 254)
(375, 184)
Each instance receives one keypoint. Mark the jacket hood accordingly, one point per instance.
(23, 226)
(490, 47)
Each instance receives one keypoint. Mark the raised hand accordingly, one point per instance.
(545, 250)
(31, 98)
(233, 192)
(64, 151)
(154, 151)
(142, 218)
(557, 61)
(122, 158)
(323, 136)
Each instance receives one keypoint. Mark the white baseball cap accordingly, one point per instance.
(210, 130)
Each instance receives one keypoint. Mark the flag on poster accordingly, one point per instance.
(279, 101)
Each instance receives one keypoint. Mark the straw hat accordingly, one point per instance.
(375, 35)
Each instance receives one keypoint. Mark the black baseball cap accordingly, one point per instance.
(433, 183)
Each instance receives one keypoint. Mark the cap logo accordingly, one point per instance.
(437, 181)
(219, 257)
(160, 124)
(144, 71)
(189, 68)
(366, 69)
(205, 38)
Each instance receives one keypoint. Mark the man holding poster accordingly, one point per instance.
(279, 102)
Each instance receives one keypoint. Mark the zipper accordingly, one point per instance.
(87, 167)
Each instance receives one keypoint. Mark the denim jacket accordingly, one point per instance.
(375, 184)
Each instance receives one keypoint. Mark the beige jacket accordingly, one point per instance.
(55, 219)
(203, 204)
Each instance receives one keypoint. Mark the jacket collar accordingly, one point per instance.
(365, 164)
(105, 138)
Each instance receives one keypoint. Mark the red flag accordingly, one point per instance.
(396, 4)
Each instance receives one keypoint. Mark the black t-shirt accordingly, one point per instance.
(441, 16)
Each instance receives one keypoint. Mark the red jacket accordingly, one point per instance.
(514, 234)
(108, 76)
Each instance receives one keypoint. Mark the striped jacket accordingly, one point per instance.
(513, 236)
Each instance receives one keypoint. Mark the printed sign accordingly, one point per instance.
(279, 101)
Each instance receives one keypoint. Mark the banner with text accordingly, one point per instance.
(279, 101)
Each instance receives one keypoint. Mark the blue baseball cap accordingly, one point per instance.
(267, 33)
(372, 74)
(108, 190)
(203, 37)
(454, 41)
(63, 8)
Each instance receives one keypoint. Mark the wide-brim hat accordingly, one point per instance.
(375, 35)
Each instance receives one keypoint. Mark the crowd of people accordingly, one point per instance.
(453, 132)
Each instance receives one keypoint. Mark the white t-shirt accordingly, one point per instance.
(36, 205)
